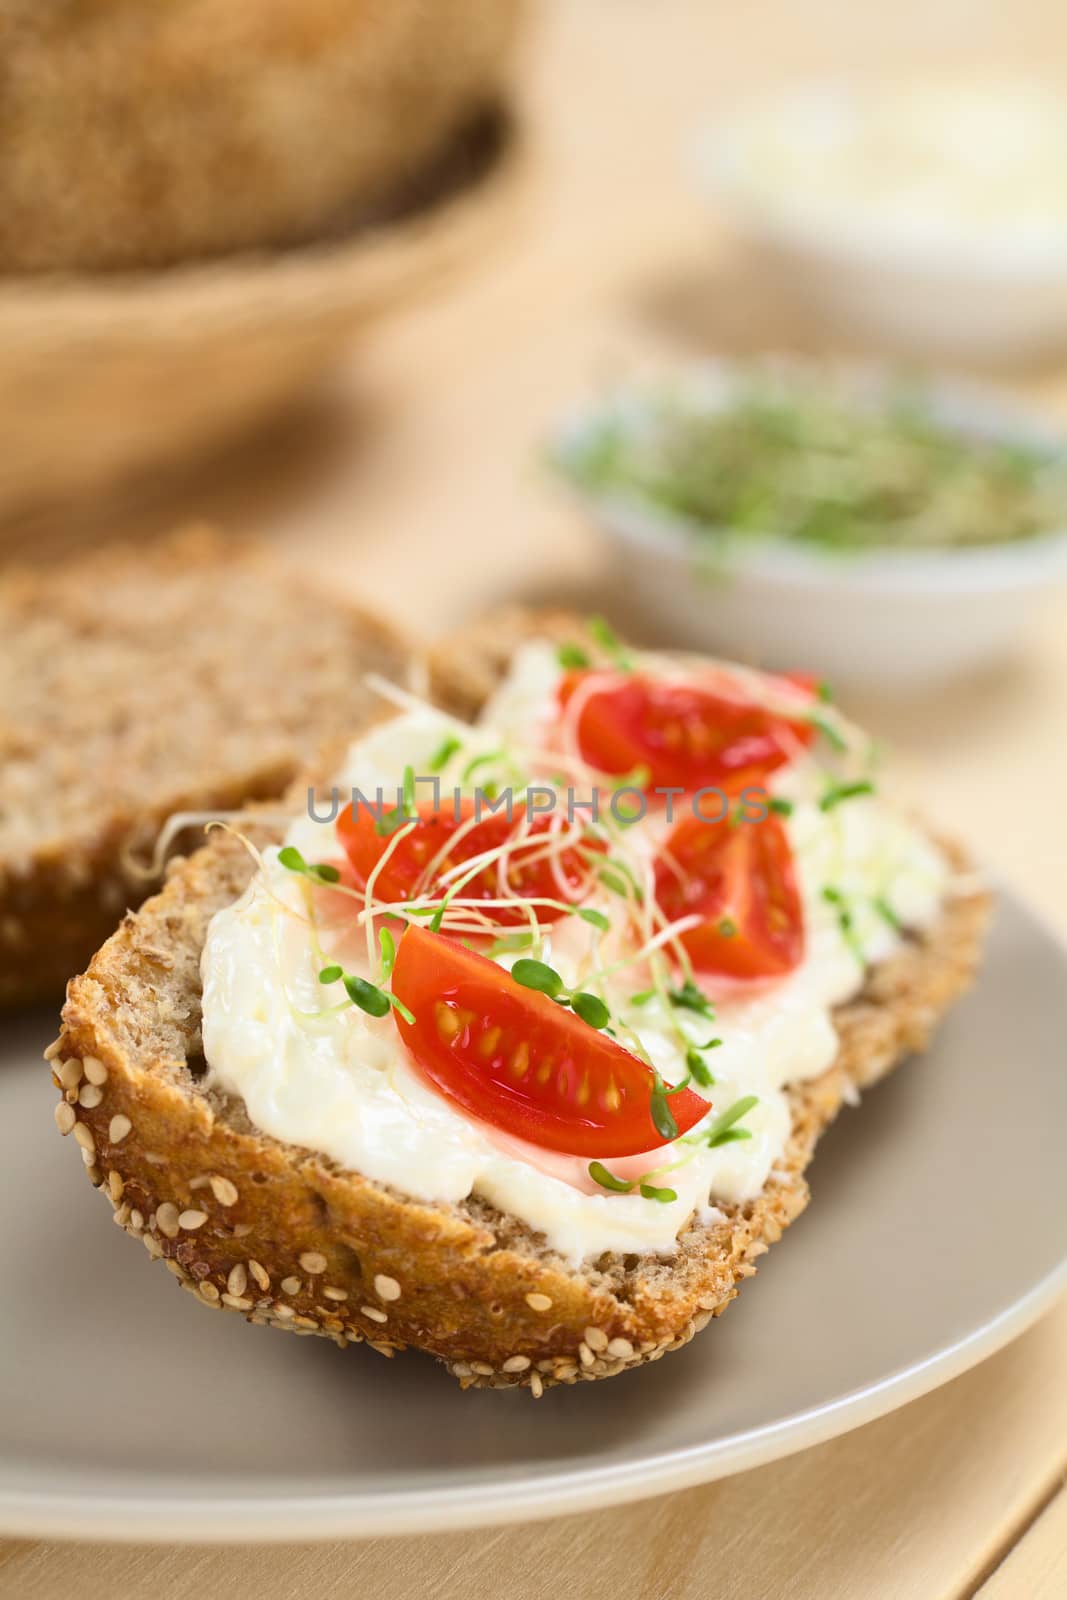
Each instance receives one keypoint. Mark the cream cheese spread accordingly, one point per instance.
(318, 1073)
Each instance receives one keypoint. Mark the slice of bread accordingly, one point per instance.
(291, 1239)
(135, 684)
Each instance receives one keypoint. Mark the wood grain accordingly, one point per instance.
(1037, 1568)
(418, 488)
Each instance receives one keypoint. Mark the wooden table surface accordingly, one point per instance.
(417, 485)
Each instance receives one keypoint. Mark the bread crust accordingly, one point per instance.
(290, 1239)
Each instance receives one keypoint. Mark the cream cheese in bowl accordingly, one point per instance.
(932, 213)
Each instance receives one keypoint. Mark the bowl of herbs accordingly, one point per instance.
(872, 529)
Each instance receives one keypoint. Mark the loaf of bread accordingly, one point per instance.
(136, 135)
(134, 684)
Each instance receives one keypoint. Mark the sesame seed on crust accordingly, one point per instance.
(291, 1285)
(313, 1261)
(167, 1221)
(191, 1220)
(118, 1128)
(237, 1279)
(83, 1135)
(386, 1288)
(90, 1096)
(65, 1118)
(224, 1191)
(375, 1313)
(260, 1274)
(95, 1071)
(69, 1072)
(540, 1302)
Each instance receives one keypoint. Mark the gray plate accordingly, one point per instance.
(128, 1411)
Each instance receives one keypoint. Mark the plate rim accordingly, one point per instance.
(100, 1505)
(110, 1515)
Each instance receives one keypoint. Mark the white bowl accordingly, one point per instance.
(930, 216)
(892, 619)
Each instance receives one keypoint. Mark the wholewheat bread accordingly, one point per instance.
(289, 1238)
(134, 685)
(145, 135)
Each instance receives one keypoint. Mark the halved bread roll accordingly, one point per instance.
(293, 1239)
(194, 675)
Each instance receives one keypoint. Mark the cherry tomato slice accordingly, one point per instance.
(527, 876)
(518, 1060)
(742, 881)
(684, 734)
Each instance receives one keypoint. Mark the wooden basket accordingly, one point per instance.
(103, 376)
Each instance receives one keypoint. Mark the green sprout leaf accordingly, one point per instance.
(723, 1129)
(539, 976)
(844, 791)
(887, 914)
(572, 658)
(591, 1009)
(664, 1196)
(697, 1067)
(660, 1111)
(595, 919)
(690, 998)
(387, 944)
(331, 974)
(321, 872)
(604, 635)
(374, 1001)
(830, 733)
(607, 1180)
(389, 821)
(448, 747)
